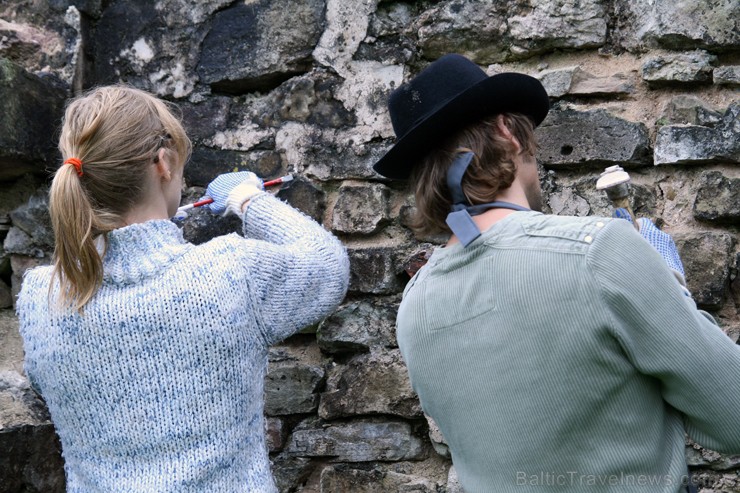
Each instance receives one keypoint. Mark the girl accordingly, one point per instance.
(149, 351)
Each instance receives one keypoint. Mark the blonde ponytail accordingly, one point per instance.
(115, 132)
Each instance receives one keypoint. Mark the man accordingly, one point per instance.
(555, 353)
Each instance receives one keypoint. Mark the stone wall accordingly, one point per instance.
(300, 86)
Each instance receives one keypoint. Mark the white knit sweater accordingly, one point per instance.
(158, 386)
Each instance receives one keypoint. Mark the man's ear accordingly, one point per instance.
(503, 128)
(163, 165)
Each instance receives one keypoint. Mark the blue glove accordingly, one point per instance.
(223, 185)
(659, 240)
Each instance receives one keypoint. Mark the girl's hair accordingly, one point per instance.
(491, 170)
(116, 132)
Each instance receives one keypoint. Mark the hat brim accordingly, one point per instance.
(502, 93)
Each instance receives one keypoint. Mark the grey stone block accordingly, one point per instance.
(573, 81)
(728, 75)
(360, 208)
(570, 138)
(359, 325)
(30, 454)
(250, 48)
(499, 36)
(207, 164)
(707, 257)
(373, 383)
(32, 109)
(292, 388)
(343, 478)
(718, 198)
(356, 441)
(689, 110)
(275, 434)
(152, 45)
(304, 196)
(372, 270)
(333, 155)
(684, 68)
(674, 25)
(698, 144)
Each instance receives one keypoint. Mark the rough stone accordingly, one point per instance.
(311, 99)
(559, 24)
(570, 138)
(30, 456)
(698, 144)
(29, 46)
(202, 120)
(689, 110)
(418, 258)
(708, 24)
(716, 481)
(19, 265)
(275, 434)
(373, 383)
(342, 478)
(356, 441)
(359, 326)
(329, 154)
(304, 196)
(11, 350)
(509, 31)
(691, 68)
(31, 110)
(138, 43)
(291, 472)
(453, 483)
(579, 197)
(697, 456)
(292, 387)
(706, 257)
(19, 242)
(728, 75)
(445, 28)
(207, 164)
(201, 224)
(574, 81)
(438, 440)
(33, 218)
(717, 198)
(44, 37)
(360, 208)
(6, 296)
(366, 84)
(186, 12)
(256, 46)
(372, 270)
(387, 41)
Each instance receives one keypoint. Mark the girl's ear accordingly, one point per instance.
(163, 165)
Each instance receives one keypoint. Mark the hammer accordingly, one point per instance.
(615, 181)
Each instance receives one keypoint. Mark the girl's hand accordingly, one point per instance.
(230, 191)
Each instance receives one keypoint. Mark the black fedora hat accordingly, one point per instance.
(447, 95)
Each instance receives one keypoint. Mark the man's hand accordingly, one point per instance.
(659, 240)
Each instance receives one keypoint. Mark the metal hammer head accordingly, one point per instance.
(614, 180)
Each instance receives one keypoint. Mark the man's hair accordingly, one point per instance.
(491, 170)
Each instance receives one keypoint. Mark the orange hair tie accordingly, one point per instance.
(76, 163)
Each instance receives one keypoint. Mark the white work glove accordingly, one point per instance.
(230, 191)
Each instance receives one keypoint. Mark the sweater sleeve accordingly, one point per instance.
(667, 337)
(301, 272)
